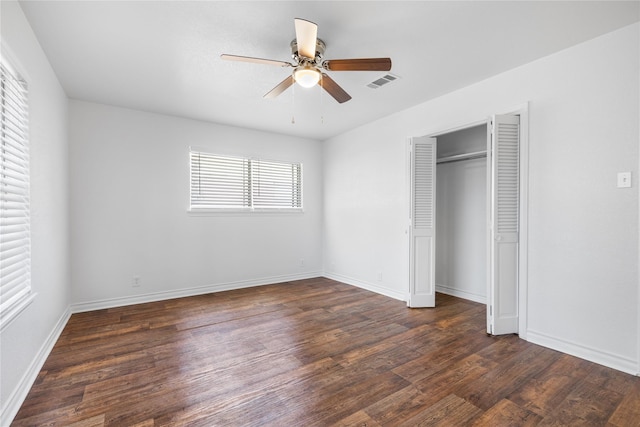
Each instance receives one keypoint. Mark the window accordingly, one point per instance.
(15, 253)
(222, 182)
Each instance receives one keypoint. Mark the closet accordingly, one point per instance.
(461, 214)
(464, 216)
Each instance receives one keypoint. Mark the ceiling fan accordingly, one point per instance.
(307, 51)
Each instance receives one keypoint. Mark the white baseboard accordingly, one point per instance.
(187, 292)
(12, 405)
(600, 357)
(461, 294)
(366, 285)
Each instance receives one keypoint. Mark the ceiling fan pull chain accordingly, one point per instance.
(321, 101)
(293, 104)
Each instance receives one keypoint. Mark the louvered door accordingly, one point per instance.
(502, 307)
(423, 185)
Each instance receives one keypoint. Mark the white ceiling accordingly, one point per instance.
(164, 56)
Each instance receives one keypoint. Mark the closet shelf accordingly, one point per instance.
(460, 157)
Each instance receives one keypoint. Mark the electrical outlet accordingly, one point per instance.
(135, 281)
(379, 276)
(302, 263)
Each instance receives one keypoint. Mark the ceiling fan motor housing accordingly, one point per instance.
(320, 48)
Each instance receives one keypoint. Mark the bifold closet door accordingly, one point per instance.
(422, 155)
(502, 307)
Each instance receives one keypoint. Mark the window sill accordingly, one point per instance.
(243, 212)
(10, 315)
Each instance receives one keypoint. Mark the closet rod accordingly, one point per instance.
(459, 157)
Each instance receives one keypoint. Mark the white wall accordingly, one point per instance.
(583, 232)
(25, 343)
(129, 199)
(461, 216)
(365, 209)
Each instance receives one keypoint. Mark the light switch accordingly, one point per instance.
(624, 179)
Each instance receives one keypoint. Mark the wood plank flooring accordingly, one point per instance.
(314, 353)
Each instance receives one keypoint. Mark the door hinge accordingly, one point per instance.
(490, 310)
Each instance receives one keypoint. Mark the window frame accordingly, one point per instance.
(14, 144)
(254, 165)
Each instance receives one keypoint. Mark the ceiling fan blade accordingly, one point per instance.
(306, 37)
(281, 87)
(365, 64)
(255, 60)
(334, 89)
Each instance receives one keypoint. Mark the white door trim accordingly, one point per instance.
(523, 253)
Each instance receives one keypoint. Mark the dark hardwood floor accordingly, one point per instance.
(314, 353)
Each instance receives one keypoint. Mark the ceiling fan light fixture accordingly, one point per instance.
(306, 77)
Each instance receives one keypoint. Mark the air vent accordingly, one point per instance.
(387, 78)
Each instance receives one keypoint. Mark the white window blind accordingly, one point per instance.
(219, 182)
(15, 253)
(276, 184)
(222, 182)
